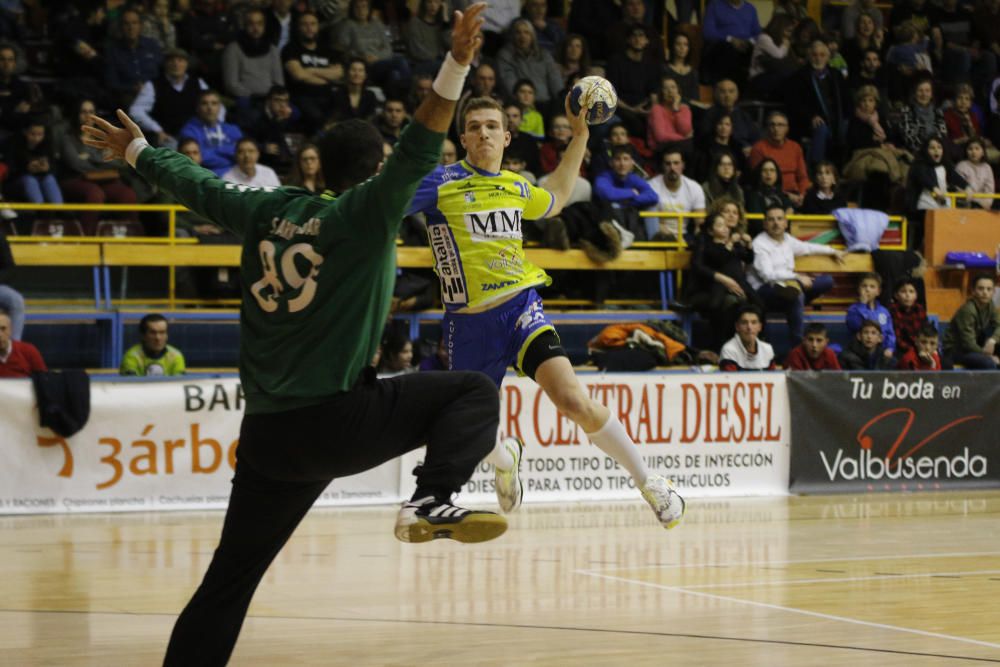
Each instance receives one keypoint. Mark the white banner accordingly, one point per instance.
(170, 444)
(147, 446)
(717, 434)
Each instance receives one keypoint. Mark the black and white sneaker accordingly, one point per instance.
(429, 519)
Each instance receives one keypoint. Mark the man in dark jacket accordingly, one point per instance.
(972, 335)
(818, 104)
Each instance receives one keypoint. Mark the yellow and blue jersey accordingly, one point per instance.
(474, 228)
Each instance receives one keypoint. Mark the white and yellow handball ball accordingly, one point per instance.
(597, 96)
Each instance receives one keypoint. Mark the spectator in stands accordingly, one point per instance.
(679, 68)
(867, 36)
(787, 153)
(818, 104)
(735, 217)
(617, 135)
(32, 163)
(634, 80)
(978, 174)
(774, 277)
(908, 60)
(131, 60)
(498, 19)
(549, 33)
(712, 146)
(823, 197)
(560, 133)
(278, 131)
(730, 30)
(247, 171)
(870, 73)
(419, 89)
(216, 139)
(766, 191)
(251, 66)
(867, 127)
(727, 95)
(17, 358)
(449, 154)
(952, 37)
(354, 100)
(397, 356)
(515, 162)
(745, 351)
(77, 34)
(392, 120)
(676, 193)
(866, 352)
(164, 104)
(311, 70)
(908, 315)
(522, 58)
(849, 19)
(204, 32)
(813, 354)
(426, 36)
(718, 270)
(772, 61)
(962, 120)
(520, 143)
(308, 172)
(573, 57)
(669, 122)
(622, 190)
(15, 93)
(189, 224)
(869, 309)
(11, 301)
(930, 178)
(88, 177)
(158, 24)
(532, 122)
(482, 83)
(279, 22)
(723, 181)
(921, 119)
(620, 34)
(152, 356)
(924, 356)
(974, 330)
(363, 35)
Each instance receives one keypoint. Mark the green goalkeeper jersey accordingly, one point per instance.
(316, 271)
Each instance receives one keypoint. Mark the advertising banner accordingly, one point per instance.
(859, 432)
(716, 434)
(147, 446)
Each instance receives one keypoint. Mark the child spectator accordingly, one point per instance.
(560, 133)
(515, 162)
(971, 339)
(823, 197)
(978, 174)
(532, 122)
(923, 357)
(866, 353)
(930, 178)
(868, 309)
(397, 356)
(813, 354)
(744, 351)
(908, 316)
(32, 163)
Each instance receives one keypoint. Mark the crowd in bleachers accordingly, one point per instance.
(877, 106)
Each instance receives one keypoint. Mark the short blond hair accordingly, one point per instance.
(477, 103)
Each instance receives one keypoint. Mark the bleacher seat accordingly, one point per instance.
(56, 228)
(120, 228)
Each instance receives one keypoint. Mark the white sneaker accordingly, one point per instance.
(429, 519)
(508, 482)
(667, 504)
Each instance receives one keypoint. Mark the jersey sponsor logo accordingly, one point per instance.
(508, 261)
(501, 223)
(453, 289)
(239, 187)
(492, 287)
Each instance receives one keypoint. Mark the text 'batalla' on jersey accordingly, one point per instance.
(474, 222)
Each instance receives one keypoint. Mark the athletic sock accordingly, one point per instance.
(500, 457)
(613, 440)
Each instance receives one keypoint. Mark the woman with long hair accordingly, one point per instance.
(723, 180)
(679, 67)
(931, 177)
(353, 99)
(307, 172)
(669, 123)
(766, 192)
(573, 56)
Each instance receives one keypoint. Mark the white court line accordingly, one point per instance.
(804, 612)
(841, 580)
(896, 556)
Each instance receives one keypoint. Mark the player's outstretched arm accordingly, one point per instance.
(436, 111)
(562, 180)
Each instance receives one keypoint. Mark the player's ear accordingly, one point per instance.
(506, 139)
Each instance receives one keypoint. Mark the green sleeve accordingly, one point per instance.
(228, 205)
(966, 328)
(130, 364)
(178, 367)
(995, 333)
(384, 199)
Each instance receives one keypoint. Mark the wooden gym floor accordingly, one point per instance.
(838, 580)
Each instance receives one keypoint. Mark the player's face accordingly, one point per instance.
(927, 345)
(484, 138)
(870, 337)
(155, 338)
(814, 344)
(4, 331)
(868, 291)
(983, 291)
(747, 327)
(906, 295)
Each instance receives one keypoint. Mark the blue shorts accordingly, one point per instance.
(497, 338)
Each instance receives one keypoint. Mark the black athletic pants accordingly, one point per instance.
(285, 460)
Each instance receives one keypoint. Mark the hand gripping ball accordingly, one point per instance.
(597, 96)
